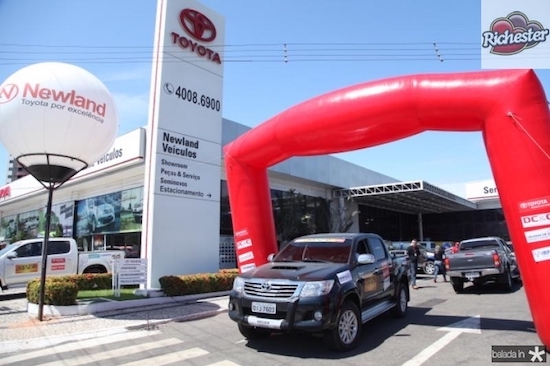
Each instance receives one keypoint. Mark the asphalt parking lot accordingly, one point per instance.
(441, 328)
(444, 327)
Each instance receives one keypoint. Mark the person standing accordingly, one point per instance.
(455, 247)
(439, 257)
(413, 251)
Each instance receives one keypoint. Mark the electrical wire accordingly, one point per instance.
(18, 54)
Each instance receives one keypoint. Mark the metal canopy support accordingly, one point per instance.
(417, 197)
(420, 228)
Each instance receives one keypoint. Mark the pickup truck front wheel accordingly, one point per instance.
(348, 328)
(400, 308)
(252, 333)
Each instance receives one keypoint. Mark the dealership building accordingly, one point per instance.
(102, 206)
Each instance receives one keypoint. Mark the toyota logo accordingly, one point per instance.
(197, 25)
(266, 286)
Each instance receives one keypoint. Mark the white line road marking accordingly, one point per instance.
(431, 350)
(106, 355)
(224, 363)
(170, 357)
(469, 325)
(80, 344)
(25, 344)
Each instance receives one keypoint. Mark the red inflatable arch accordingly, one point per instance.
(509, 108)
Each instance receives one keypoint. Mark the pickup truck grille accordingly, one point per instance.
(270, 290)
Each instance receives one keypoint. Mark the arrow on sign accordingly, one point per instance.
(469, 325)
(208, 195)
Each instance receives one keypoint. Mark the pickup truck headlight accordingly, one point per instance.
(238, 285)
(316, 288)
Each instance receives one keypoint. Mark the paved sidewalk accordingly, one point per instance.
(20, 331)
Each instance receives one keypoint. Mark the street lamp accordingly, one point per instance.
(56, 119)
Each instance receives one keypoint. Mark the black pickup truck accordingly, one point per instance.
(481, 260)
(326, 284)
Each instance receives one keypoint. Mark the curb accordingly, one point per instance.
(101, 307)
(180, 319)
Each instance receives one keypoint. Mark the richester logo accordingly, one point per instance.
(199, 27)
(513, 34)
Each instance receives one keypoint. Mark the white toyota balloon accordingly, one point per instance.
(56, 118)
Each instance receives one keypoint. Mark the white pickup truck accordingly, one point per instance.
(21, 262)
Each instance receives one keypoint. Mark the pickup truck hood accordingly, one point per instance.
(297, 271)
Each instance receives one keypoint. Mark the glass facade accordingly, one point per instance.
(295, 214)
(466, 224)
(110, 221)
(450, 226)
(32, 224)
(114, 221)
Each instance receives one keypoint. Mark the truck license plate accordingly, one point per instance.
(264, 308)
(472, 275)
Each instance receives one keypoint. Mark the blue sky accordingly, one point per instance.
(114, 39)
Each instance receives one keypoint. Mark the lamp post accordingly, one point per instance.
(56, 119)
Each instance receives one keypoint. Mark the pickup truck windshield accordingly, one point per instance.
(316, 251)
(479, 244)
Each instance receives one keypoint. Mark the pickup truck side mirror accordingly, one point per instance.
(270, 257)
(11, 255)
(366, 259)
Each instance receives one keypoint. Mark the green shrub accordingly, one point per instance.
(63, 286)
(89, 281)
(56, 292)
(63, 290)
(171, 285)
(198, 283)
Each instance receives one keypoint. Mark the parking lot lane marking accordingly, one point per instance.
(468, 325)
(170, 357)
(107, 355)
(77, 345)
(224, 363)
(53, 340)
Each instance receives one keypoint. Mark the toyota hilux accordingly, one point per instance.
(326, 284)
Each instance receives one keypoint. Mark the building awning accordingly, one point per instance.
(408, 197)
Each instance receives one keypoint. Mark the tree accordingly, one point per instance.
(288, 213)
(341, 215)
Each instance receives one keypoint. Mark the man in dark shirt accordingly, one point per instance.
(413, 251)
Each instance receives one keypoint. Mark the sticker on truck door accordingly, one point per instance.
(26, 268)
(370, 283)
(58, 264)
